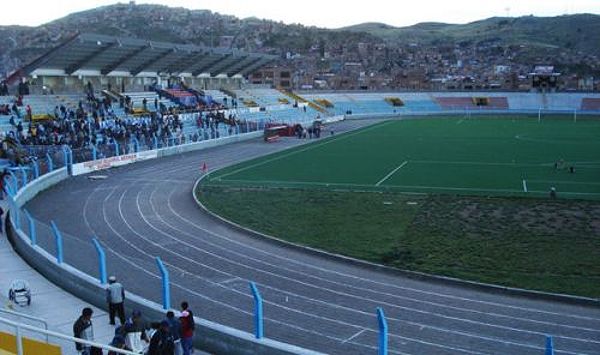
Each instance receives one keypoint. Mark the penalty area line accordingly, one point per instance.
(391, 173)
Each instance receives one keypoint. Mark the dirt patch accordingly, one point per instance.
(495, 217)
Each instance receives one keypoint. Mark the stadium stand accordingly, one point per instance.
(137, 99)
(473, 103)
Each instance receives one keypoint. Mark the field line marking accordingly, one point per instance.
(524, 185)
(483, 163)
(583, 183)
(309, 147)
(354, 336)
(392, 173)
(414, 187)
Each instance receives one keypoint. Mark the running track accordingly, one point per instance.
(147, 209)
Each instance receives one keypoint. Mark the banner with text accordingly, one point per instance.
(107, 163)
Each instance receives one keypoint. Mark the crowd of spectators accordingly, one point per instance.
(95, 123)
(173, 335)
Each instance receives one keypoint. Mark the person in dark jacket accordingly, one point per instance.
(162, 342)
(83, 329)
(175, 327)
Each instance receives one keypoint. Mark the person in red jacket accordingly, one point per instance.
(187, 331)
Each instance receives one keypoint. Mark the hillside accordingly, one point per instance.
(579, 32)
(568, 42)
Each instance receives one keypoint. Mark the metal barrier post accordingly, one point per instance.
(117, 149)
(101, 261)
(166, 292)
(58, 241)
(32, 233)
(383, 332)
(23, 175)
(136, 145)
(155, 142)
(15, 181)
(19, 340)
(8, 185)
(549, 346)
(65, 156)
(16, 214)
(68, 155)
(36, 169)
(14, 211)
(94, 153)
(258, 312)
(50, 166)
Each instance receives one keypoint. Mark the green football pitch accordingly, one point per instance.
(495, 156)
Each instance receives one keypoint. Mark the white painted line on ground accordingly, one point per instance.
(392, 173)
(565, 182)
(524, 185)
(354, 336)
(416, 187)
(233, 279)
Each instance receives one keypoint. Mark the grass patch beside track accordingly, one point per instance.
(544, 245)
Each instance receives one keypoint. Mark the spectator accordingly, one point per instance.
(115, 297)
(134, 332)
(83, 329)
(162, 342)
(119, 343)
(175, 327)
(1, 220)
(187, 329)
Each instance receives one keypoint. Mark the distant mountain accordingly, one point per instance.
(577, 32)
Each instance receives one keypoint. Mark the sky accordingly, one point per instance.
(322, 13)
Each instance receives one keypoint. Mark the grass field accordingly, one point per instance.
(354, 194)
(465, 156)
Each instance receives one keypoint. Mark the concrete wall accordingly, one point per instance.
(165, 152)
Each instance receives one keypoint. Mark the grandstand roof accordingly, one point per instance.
(92, 54)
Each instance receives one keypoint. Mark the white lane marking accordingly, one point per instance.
(230, 280)
(159, 180)
(391, 173)
(354, 336)
(524, 185)
(186, 289)
(310, 147)
(125, 259)
(363, 299)
(189, 260)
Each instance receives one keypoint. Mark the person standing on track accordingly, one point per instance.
(115, 296)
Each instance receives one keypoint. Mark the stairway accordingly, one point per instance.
(299, 98)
